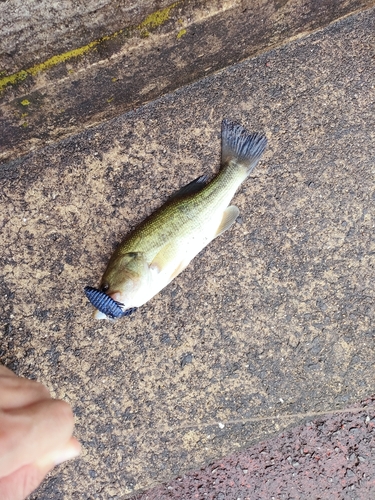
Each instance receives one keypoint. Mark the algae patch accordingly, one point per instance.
(155, 19)
(181, 33)
(152, 21)
(13, 79)
(51, 62)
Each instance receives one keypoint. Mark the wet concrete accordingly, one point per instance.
(273, 321)
(101, 69)
(32, 32)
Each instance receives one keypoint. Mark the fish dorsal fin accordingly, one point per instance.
(240, 146)
(193, 187)
(229, 216)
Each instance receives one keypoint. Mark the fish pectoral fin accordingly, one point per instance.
(229, 217)
(165, 255)
(170, 261)
(193, 187)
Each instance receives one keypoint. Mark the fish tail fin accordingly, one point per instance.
(241, 147)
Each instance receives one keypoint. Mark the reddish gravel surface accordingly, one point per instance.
(331, 457)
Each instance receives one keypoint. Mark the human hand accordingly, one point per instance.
(35, 435)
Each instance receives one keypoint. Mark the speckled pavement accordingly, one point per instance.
(330, 457)
(270, 323)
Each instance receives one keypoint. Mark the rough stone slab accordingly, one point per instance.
(32, 32)
(102, 69)
(331, 456)
(273, 321)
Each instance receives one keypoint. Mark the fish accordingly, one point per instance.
(164, 244)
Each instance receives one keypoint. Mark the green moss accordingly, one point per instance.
(51, 62)
(25, 102)
(13, 79)
(55, 60)
(154, 20)
(157, 18)
(181, 33)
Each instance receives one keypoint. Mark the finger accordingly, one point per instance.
(6, 372)
(16, 392)
(19, 484)
(23, 481)
(71, 450)
(28, 434)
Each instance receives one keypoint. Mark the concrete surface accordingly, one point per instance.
(331, 457)
(272, 322)
(32, 32)
(60, 79)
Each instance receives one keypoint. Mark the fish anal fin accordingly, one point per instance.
(193, 187)
(229, 217)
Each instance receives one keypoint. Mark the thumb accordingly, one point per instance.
(19, 484)
(22, 482)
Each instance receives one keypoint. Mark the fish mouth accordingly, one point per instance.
(105, 304)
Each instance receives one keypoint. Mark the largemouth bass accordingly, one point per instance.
(164, 244)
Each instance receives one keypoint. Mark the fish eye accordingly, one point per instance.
(104, 287)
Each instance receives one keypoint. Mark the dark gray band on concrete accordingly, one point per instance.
(83, 81)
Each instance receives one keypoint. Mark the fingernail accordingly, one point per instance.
(71, 450)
